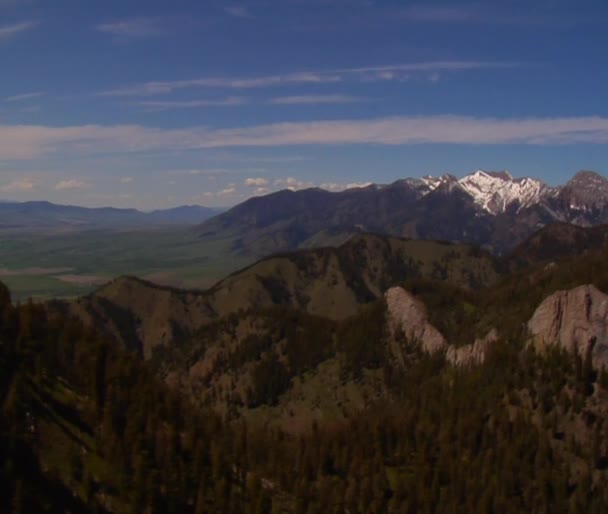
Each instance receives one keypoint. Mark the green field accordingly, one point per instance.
(71, 264)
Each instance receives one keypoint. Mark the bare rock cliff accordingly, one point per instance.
(471, 354)
(576, 319)
(408, 314)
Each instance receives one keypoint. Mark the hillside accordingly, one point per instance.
(558, 241)
(332, 282)
(318, 409)
(224, 364)
(317, 310)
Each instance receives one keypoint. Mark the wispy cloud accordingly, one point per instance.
(63, 185)
(227, 192)
(256, 182)
(238, 11)
(194, 104)
(316, 99)
(19, 185)
(164, 87)
(449, 14)
(28, 141)
(480, 14)
(337, 187)
(368, 73)
(134, 28)
(24, 96)
(292, 183)
(11, 31)
(211, 172)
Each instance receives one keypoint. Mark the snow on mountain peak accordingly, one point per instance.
(496, 191)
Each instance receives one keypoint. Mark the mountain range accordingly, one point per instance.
(46, 216)
(464, 292)
(491, 209)
(366, 375)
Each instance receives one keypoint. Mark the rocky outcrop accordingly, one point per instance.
(408, 315)
(576, 319)
(471, 354)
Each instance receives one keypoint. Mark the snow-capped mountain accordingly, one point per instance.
(487, 208)
(496, 192)
(493, 191)
(586, 191)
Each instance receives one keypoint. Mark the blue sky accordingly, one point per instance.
(153, 104)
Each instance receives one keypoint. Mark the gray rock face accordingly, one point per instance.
(576, 320)
(408, 315)
(471, 354)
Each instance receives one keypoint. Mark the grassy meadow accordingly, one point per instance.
(74, 263)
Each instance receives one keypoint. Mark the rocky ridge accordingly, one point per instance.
(576, 320)
(407, 315)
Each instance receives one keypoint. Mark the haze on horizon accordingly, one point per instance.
(153, 105)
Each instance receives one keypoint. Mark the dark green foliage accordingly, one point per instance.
(361, 339)
(520, 433)
(454, 311)
(270, 380)
(153, 442)
(309, 341)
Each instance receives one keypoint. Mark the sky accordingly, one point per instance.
(153, 104)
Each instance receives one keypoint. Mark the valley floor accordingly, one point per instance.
(69, 264)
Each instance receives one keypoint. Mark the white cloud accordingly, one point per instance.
(259, 191)
(369, 73)
(69, 184)
(194, 104)
(24, 96)
(417, 130)
(238, 11)
(164, 87)
(256, 182)
(134, 28)
(336, 187)
(10, 31)
(292, 183)
(19, 185)
(316, 99)
(126, 180)
(227, 191)
(31, 141)
(295, 184)
(209, 172)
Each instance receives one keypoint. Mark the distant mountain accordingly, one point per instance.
(555, 242)
(491, 209)
(46, 215)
